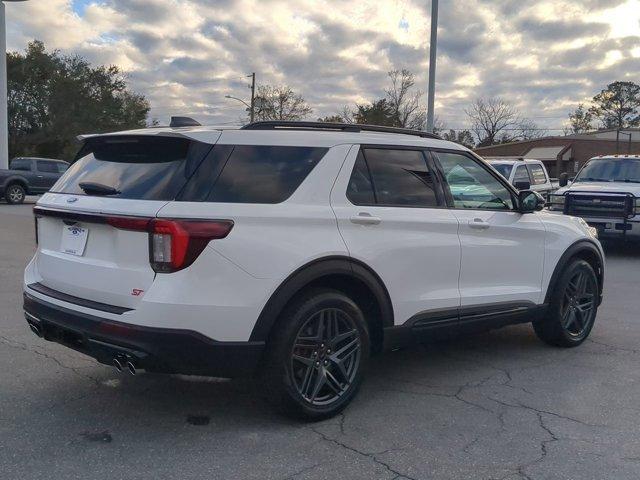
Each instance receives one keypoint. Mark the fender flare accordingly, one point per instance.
(574, 250)
(315, 270)
(15, 179)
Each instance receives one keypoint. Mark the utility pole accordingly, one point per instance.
(4, 123)
(252, 113)
(432, 65)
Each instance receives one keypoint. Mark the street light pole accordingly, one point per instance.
(253, 96)
(4, 128)
(432, 65)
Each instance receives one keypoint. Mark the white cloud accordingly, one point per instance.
(186, 55)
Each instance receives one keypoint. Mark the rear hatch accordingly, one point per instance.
(85, 246)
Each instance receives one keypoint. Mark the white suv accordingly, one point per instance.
(295, 250)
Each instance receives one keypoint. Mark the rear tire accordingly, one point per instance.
(573, 307)
(15, 194)
(317, 355)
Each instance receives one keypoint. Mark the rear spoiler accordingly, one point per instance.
(199, 135)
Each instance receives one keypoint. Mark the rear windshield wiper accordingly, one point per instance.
(91, 188)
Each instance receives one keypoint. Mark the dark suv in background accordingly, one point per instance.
(29, 176)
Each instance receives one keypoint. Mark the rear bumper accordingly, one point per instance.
(160, 350)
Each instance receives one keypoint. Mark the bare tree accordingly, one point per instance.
(463, 137)
(528, 130)
(280, 103)
(491, 120)
(404, 100)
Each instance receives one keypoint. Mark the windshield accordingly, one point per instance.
(611, 170)
(503, 169)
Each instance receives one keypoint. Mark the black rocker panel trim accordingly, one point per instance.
(305, 275)
(443, 323)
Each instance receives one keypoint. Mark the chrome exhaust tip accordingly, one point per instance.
(118, 364)
(35, 329)
(131, 367)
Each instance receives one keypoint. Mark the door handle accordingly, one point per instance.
(479, 224)
(40, 176)
(364, 218)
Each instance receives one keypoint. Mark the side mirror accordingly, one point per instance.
(563, 179)
(530, 201)
(522, 185)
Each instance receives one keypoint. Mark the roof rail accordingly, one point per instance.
(344, 127)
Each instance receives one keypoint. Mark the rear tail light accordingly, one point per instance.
(174, 244)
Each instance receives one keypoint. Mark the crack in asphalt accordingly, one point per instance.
(23, 346)
(369, 455)
(614, 347)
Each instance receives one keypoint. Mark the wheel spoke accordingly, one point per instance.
(334, 384)
(306, 383)
(568, 318)
(320, 382)
(338, 339)
(303, 360)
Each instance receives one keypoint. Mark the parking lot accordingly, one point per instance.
(499, 405)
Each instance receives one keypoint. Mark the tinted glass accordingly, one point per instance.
(62, 167)
(472, 186)
(138, 167)
(21, 164)
(401, 177)
(360, 190)
(538, 175)
(47, 167)
(263, 174)
(611, 170)
(503, 168)
(522, 174)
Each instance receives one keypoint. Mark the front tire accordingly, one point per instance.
(317, 355)
(573, 307)
(15, 194)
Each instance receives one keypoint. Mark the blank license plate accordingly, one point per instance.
(74, 240)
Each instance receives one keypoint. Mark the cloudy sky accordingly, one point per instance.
(186, 55)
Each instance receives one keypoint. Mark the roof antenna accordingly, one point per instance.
(184, 122)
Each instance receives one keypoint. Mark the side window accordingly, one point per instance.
(264, 174)
(401, 177)
(21, 164)
(47, 167)
(538, 175)
(521, 174)
(471, 185)
(360, 189)
(62, 167)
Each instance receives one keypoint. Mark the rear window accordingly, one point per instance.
(503, 169)
(136, 167)
(251, 173)
(21, 164)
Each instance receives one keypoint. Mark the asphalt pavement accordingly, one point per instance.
(499, 405)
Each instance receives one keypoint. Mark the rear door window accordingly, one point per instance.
(47, 167)
(360, 189)
(136, 167)
(401, 177)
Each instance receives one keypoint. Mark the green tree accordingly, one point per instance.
(53, 97)
(580, 120)
(618, 105)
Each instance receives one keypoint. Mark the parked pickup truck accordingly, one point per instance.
(29, 176)
(524, 173)
(606, 194)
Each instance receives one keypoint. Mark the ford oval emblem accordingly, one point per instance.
(72, 200)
